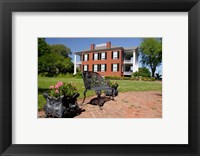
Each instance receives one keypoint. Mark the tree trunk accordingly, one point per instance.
(153, 72)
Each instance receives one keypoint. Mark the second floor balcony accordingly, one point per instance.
(128, 61)
(78, 62)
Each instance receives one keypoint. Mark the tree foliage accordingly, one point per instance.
(53, 59)
(151, 50)
(60, 49)
(43, 47)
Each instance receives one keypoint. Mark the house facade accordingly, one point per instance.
(107, 60)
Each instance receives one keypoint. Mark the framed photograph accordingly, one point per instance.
(69, 79)
(99, 77)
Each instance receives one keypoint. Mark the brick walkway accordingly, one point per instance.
(126, 105)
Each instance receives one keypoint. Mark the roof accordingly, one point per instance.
(100, 48)
(129, 48)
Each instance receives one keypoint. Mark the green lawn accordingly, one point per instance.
(124, 86)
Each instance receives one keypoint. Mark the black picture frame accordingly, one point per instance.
(9, 6)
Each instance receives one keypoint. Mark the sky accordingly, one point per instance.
(79, 44)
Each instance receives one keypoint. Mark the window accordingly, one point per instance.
(115, 55)
(103, 56)
(96, 56)
(86, 57)
(115, 67)
(103, 67)
(95, 68)
(85, 67)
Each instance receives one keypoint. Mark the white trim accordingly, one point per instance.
(74, 63)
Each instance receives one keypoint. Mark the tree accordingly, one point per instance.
(43, 47)
(60, 49)
(53, 59)
(151, 50)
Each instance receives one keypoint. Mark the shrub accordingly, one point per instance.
(114, 77)
(136, 78)
(152, 79)
(67, 75)
(144, 72)
(78, 74)
(158, 76)
(127, 78)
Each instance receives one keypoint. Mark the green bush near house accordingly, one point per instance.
(134, 78)
(78, 74)
(143, 72)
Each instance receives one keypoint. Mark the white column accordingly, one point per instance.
(74, 63)
(134, 61)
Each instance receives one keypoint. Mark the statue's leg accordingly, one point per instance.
(100, 107)
(84, 93)
(112, 98)
(98, 92)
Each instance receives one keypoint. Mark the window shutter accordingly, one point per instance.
(111, 67)
(118, 54)
(92, 67)
(99, 54)
(83, 57)
(88, 57)
(105, 66)
(112, 54)
(93, 56)
(117, 66)
(87, 67)
(105, 55)
(99, 67)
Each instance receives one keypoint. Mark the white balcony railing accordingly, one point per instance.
(128, 61)
(79, 62)
(128, 73)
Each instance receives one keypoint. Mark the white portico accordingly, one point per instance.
(130, 61)
(77, 61)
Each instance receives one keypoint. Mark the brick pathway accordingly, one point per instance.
(126, 105)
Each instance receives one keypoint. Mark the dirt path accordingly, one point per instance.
(126, 105)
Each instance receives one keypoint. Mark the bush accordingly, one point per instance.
(67, 75)
(47, 74)
(152, 79)
(134, 78)
(158, 76)
(78, 74)
(144, 72)
(126, 78)
(114, 77)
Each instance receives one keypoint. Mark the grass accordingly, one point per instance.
(124, 86)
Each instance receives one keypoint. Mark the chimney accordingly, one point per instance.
(108, 44)
(91, 46)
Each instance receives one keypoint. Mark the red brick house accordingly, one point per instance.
(107, 60)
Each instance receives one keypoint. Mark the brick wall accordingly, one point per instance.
(109, 61)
